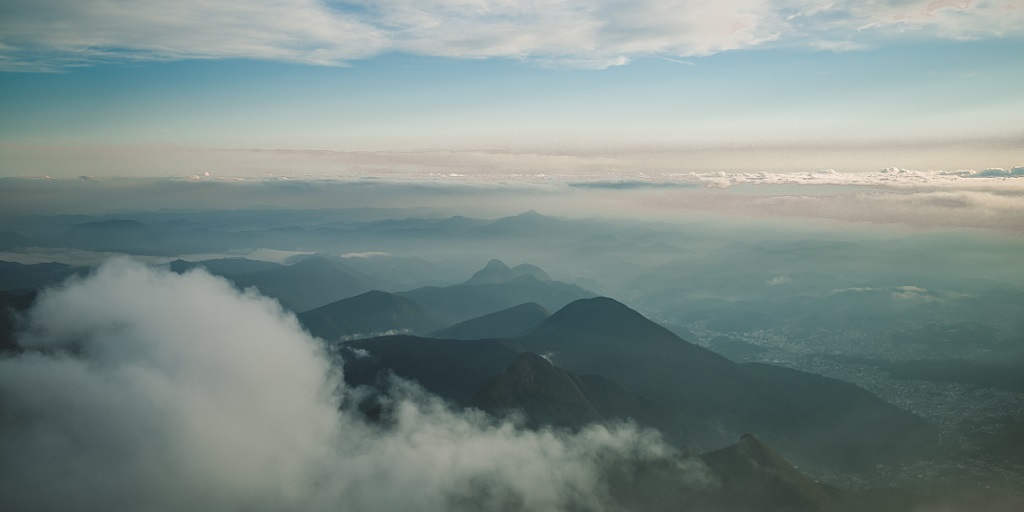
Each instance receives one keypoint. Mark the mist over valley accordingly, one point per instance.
(512, 256)
(862, 369)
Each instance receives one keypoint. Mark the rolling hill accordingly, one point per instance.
(507, 323)
(369, 314)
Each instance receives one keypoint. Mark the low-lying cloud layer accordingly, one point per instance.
(926, 199)
(592, 34)
(142, 389)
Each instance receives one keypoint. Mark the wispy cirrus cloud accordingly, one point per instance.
(55, 34)
(850, 24)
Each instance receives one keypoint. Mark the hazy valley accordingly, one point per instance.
(885, 366)
(512, 256)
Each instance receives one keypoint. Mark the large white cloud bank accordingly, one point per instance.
(144, 390)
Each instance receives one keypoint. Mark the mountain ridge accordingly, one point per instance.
(461, 302)
(506, 323)
(365, 314)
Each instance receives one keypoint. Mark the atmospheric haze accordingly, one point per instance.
(158, 351)
(147, 389)
(506, 255)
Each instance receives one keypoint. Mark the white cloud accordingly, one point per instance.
(905, 293)
(987, 209)
(359, 336)
(912, 293)
(147, 390)
(365, 255)
(920, 199)
(851, 24)
(889, 177)
(57, 33)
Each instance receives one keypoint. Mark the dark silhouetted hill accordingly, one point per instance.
(368, 314)
(545, 394)
(820, 420)
(601, 336)
(26, 277)
(755, 477)
(11, 306)
(452, 369)
(698, 396)
(234, 266)
(507, 323)
(180, 266)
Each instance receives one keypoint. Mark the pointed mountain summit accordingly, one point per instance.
(756, 477)
(602, 336)
(507, 323)
(497, 271)
(367, 314)
(603, 318)
(823, 420)
(180, 266)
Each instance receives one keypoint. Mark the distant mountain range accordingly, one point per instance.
(196, 232)
(371, 313)
(507, 323)
(492, 343)
(601, 361)
(425, 310)
(494, 288)
(317, 280)
(311, 283)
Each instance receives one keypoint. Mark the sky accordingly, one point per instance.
(146, 88)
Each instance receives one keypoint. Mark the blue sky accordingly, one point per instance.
(860, 85)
